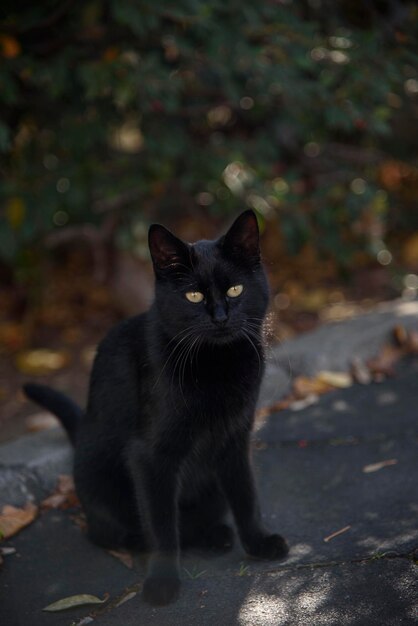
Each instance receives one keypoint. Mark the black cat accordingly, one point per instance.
(163, 448)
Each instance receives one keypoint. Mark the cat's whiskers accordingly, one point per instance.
(247, 336)
(290, 372)
(172, 386)
(182, 366)
(192, 353)
(195, 354)
(189, 332)
(180, 362)
(271, 354)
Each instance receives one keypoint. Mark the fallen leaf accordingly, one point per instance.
(299, 405)
(400, 335)
(64, 496)
(88, 355)
(124, 557)
(337, 532)
(13, 519)
(339, 380)
(72, 601)
(412, 342)
(304, 386)
(360, 372)
(374, 467)
(12, 335)
(313, 301)
(80, 521)
(265, 411)
(42, 361)
(84, 621)
(410, 250)
(129, 596)
(65, 483)
(384, 363)
(40, 421)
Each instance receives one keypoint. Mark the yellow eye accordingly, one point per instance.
(235, 291)
(194, 296)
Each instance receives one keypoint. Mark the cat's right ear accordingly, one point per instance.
(167, 251)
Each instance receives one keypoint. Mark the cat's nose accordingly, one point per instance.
(219, 315)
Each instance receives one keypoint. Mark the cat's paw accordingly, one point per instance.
(269, 547)
(161, 590)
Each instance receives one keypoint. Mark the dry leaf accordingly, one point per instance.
(400, 335)
(42, 361)
(64, 495)
(299, 405)
(12, 335)
(88, 355)
(304, 386)
(265, 411)
(360, 372)
(374, 467)
(384, 363)
(129, 596)
(80, 521)
(40, 421)
(13, 519)
(84, 621)
(335, 379)
(124, 557)
(412, 342)
(410, 250)
(65, 483)
(73, 601)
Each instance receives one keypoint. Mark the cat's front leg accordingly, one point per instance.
(156, 483)
(238, 484)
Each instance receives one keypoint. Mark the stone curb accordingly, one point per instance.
(29, 466)
(334, 345)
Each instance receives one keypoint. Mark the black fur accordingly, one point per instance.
(56, 402)
(162, 451)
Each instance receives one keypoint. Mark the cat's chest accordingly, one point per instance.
(208, 447)
(211, 370)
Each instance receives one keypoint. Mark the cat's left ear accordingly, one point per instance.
(167, 251)
(243, 238)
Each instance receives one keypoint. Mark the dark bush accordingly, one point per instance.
(119, 112)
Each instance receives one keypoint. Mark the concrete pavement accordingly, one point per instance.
(347, 464)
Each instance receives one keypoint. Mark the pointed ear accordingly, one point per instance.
(242, 239)
(167, 251)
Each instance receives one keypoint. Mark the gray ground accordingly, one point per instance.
(310, 472)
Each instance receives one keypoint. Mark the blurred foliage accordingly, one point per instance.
(115, 113)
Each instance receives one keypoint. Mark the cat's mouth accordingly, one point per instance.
(222, 334)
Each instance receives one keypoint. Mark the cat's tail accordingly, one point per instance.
(65, 409)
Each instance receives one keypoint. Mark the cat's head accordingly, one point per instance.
(215, 290)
